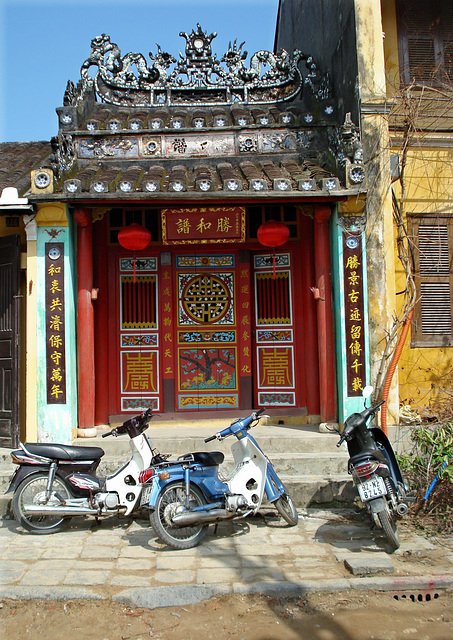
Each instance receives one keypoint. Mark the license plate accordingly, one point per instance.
(370, 489)
(146, 495)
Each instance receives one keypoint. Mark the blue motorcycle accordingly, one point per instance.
(186, 495)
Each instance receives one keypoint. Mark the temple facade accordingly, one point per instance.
(192, 242)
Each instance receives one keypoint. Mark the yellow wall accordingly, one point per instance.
(429, 183)
(10, 231)
(390, 46)
(429, 188)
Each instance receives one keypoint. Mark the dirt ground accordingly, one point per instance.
(318, 616)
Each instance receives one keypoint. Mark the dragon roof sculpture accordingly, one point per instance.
(197, 79)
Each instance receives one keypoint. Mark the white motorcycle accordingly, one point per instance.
(187, 494)
(55, 481)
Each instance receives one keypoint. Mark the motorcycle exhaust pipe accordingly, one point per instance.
(43, 510)
(402, 509)
(190, 517)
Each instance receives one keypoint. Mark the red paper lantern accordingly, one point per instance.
(273, 234)
(135, 238)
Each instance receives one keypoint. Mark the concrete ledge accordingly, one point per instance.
(174, 596)
(49, 593)
(405, 583)
(181, 595)
(277, 588)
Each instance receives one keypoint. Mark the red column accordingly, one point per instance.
(323, 296)
(101, 321)
(85, 324)
(309, 313)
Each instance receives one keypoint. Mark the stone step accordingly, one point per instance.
(308, 462)
(176, 441)
(316, 491)
(284, 463)
(271, 438)
(287, 464)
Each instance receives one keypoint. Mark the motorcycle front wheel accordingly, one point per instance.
(171, 501)
(287, 509)
(32, 491)
(389, 528)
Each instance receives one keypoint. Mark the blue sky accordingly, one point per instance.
(43, 44)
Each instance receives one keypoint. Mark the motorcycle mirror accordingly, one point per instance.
(367, 391)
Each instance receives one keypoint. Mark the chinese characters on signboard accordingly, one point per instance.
(205, 225)
(354, 313)
(55, 323)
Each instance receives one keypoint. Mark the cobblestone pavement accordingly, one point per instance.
(123, 560)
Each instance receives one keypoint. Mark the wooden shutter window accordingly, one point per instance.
(273, 300)
(433, 240)
(433, 250)
(447, 34)
(436, 309)
(138, 302)
(425, 40)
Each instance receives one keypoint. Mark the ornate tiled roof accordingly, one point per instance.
(18, 159)
(205, 128)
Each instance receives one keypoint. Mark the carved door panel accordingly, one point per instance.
(207, 340)
(274, 329)
(139, 374)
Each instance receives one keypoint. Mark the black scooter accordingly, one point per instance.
(375, 471)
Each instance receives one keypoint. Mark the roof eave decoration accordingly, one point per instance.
(198, 77)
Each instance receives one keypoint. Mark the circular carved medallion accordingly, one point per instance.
(206, 299)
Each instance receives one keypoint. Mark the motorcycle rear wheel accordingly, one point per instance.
(31, 491)
(287, 509)
(390, 530)
(168, 501)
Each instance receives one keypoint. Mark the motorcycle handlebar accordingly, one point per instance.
(142, 419)
(365, 415)
(252, 416)
(376, 406)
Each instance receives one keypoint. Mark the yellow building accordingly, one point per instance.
(394, 60)
(418, 50)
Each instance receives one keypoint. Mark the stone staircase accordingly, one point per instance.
(308, 462)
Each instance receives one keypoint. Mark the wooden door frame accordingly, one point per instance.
(13, 243)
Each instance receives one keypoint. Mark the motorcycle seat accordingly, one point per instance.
(366, 455)
(205, 458)
(65, 452)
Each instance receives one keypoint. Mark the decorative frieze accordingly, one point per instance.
(198, 78)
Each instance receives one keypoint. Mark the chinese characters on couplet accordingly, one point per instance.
(354, 313)
(55, 323)
(167, 322)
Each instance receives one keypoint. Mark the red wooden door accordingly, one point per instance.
(208, 320)
(134, 336)
(278, 354)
